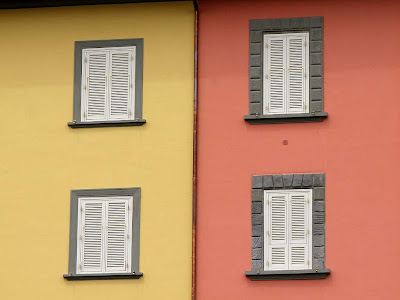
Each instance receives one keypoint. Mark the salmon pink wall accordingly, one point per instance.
(357, 146)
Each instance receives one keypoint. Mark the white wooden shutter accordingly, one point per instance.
(104, 235)
(121, 87)
(288, 230)
(299, 231)
(94, 85)
(297, 73)
(117, 235)
(108, 84)
(277, 232)
(91, 236)
(274, 74)
(286, 79)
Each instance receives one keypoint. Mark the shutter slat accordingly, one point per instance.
(120, 84)
(278, 234)
(276, 75)
(298, 238)
(96, 93)
(298, 218)
(278, 256)
(116, 240)
(296, 80)
(92, 239)
(278, 219)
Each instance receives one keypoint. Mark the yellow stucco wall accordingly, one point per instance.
(42, 159)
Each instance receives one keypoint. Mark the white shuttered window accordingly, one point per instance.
(104, 235)
(108, 84)
(286, 79)
(287, 229)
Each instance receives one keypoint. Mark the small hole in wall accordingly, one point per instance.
(285, 142)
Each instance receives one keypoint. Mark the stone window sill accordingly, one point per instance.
(288, 275)
(106, 124)
(286, 118)
(102, 276)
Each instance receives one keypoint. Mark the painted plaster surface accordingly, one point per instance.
(42, 159)
(357, 147)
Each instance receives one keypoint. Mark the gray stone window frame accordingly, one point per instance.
(79, 46)
(135, 193)
(315, 27)
(261, 183)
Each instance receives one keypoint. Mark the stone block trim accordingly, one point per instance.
(315, 27)
(260, 183)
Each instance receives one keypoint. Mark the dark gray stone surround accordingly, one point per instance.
(79, 46)
(75, 195)
(260, 183)
(313, 25)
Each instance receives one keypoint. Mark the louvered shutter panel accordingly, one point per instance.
(94, 84)
(121, 89)
(275, 76)
(277, 232)
(91, 236)
(298, 231)
(296, 83)
(117, 235)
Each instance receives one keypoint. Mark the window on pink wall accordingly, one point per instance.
(286, 71)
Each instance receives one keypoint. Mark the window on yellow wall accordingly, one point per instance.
(104, 234)
(108, 83)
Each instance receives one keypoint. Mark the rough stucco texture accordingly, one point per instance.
(357, 147)
(42, 159)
